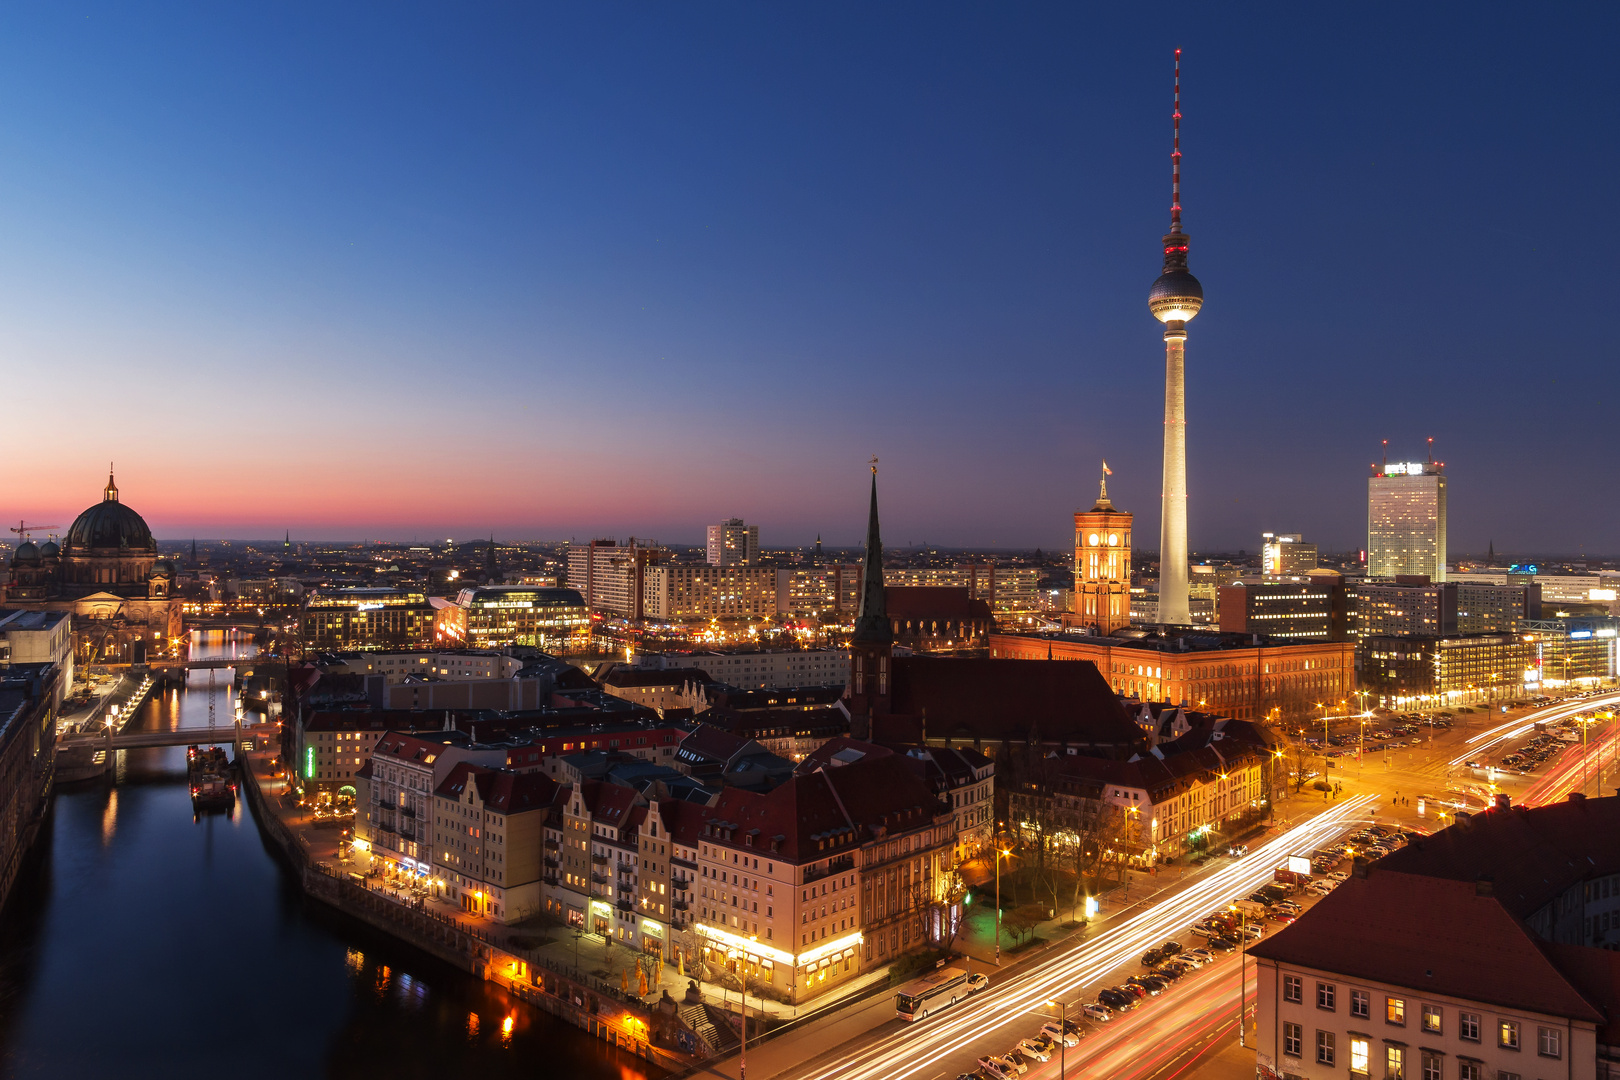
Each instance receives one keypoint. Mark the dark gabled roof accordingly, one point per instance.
(1530, 855)
(507, 792)
(1428, 934)
(627, 677)
(935, 602)
(710, 743)
(1058, 701)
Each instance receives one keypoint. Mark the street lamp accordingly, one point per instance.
(1243, 975)
(1000, 853)
(1063, 1031)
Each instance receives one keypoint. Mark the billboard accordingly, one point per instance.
(1299, 864)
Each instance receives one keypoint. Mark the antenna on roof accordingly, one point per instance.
(1175, 155)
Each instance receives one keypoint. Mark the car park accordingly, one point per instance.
(1033, 1050)
(1053, 1032)
(1096, 1010)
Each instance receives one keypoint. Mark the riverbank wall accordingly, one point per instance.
(656, 1033)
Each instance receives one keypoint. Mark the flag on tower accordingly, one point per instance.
(1106, 470)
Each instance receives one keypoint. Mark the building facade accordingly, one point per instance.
(731, 543)
(367, 618)
(490, 616)
(1406, 520)
(1313, 608)
(831, 589)
(1462, 669)
(611, 576)
(681, 591)
(1286, 554)
(1225, 674)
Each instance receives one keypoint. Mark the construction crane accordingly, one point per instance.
(22, 529)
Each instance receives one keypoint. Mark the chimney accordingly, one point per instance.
(1485, 886)
(1358, 868)
(1577, 796)
(1503, 800)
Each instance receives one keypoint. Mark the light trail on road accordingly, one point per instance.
(1568, 775)
(1513, 729)
(905, 1052)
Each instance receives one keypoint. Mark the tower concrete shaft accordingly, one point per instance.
(1173, 603)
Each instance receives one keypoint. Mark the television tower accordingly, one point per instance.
(1174, 299)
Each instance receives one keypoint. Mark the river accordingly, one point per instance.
(145, 942)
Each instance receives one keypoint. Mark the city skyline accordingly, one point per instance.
(549, 251)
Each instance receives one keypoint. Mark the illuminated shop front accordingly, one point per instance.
(796, 977)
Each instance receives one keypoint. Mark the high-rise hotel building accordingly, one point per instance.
(1406, 520)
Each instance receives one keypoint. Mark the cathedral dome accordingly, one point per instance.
(49, 550)
(109, 524)
(25, 555)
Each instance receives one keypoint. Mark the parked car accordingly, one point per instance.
(1172, 971)
(1096, 1010)
(1118, 1000)
(1222, 944)
(1284, 917)
(1152, 957)
(992, 1067)
(1170, 948)
(1154, 986)
(1138, 992)
(1199, 957)
(977, 981)
(1033, 1050)
(1053, 1031)
(1015, 1065)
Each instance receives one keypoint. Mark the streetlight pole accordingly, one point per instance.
(1063, 1032)
(1243, 977)
(999, 854)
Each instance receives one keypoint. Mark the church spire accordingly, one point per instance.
(873, 623)
(110, 492)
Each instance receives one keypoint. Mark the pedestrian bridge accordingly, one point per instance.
(186, 736)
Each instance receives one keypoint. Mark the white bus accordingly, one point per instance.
(932, 992)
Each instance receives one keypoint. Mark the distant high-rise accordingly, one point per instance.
(1174, 299)
(1406, 519)
(731, 543)
(1102, 564)
(1286, 554)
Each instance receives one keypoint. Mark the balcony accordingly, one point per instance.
(626, 905)
(601, 860)
(551, 864)
(600, 879)
(550, 879)
(681, 904)
(553, 844)
(627, 886)
(407, 811)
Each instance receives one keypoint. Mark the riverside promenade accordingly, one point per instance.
(657, 1026)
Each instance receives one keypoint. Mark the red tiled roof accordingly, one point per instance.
(1428, 934)
(507, 792)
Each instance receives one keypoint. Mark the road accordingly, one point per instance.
(1195, 1020)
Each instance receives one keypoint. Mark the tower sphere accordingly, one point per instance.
(1175, 297)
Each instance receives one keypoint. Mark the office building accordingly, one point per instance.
(490, 616)
(1293, 608)
(367, 618)
(731, 543)
(1408, 606)
(1490, 609)
(1102, 565)
(1463, 669)
(1480, 952)
(1286, 554)
(1573, 650)
(760, 669)
(1406, 520)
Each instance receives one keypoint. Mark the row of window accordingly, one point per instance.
(1431, 1017)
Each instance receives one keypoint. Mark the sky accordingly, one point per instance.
(418, 270)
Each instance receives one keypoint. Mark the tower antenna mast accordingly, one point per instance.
(1175, 155)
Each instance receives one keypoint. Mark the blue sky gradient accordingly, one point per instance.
(408, 270)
